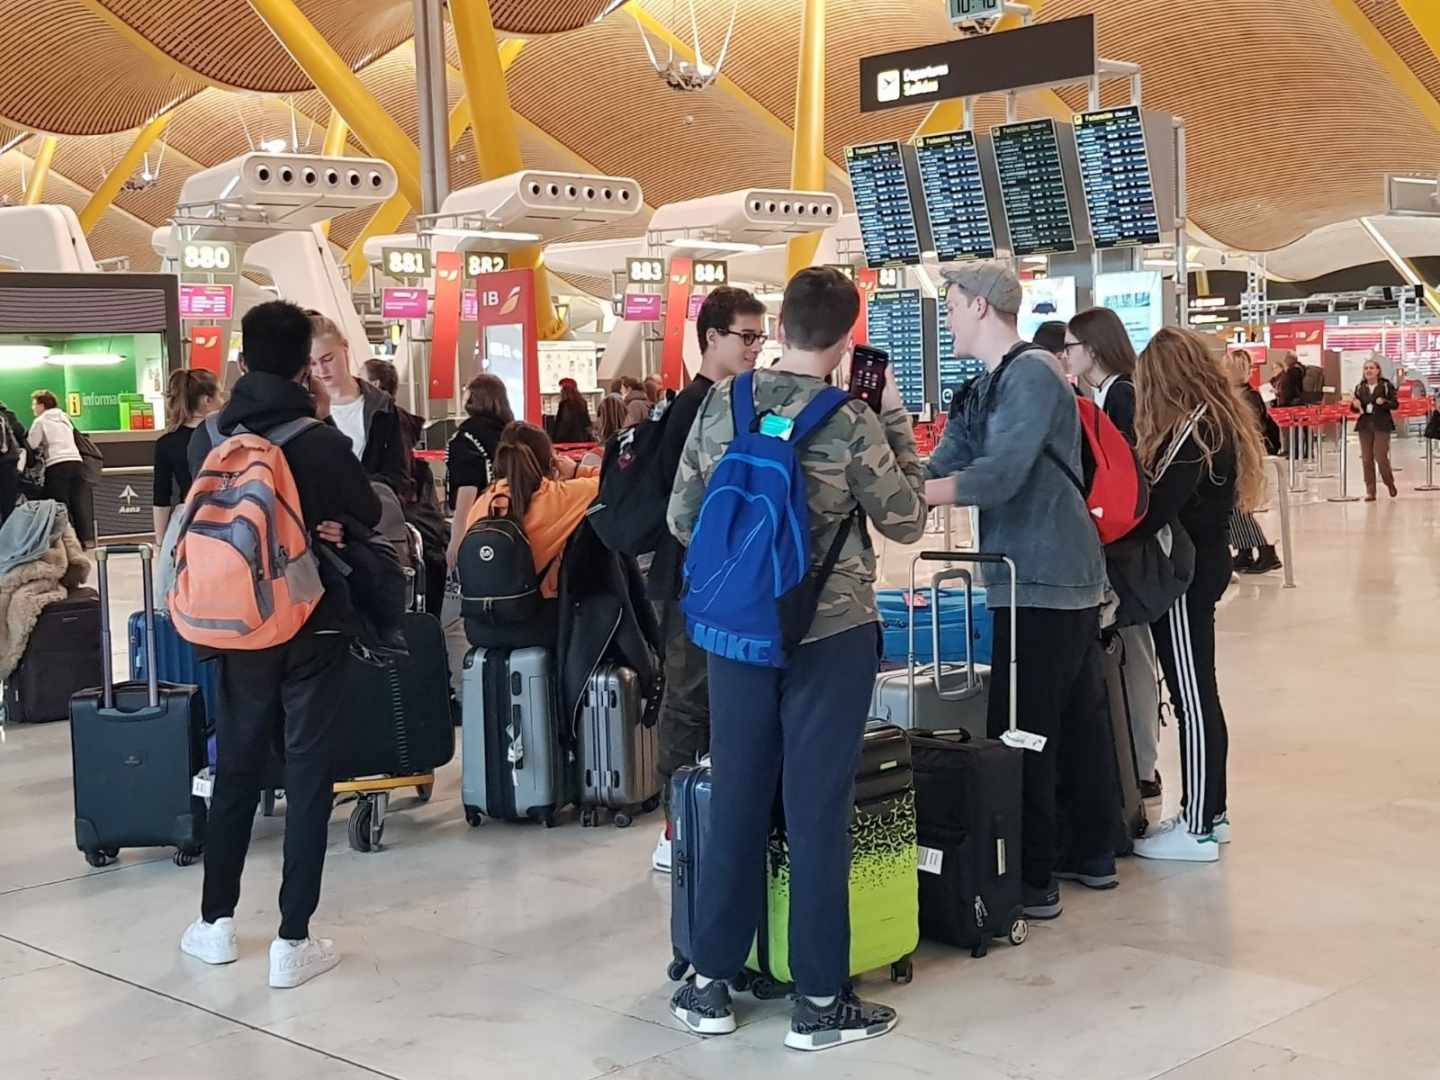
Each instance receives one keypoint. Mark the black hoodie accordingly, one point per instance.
(332, 484)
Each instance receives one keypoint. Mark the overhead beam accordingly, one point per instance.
(122, 170)
(1424, 15)
(1403, 266)
(35, 189)
(1426, 19)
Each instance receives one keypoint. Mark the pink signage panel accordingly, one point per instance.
(404, 303)
(642, 307)
(206, 301)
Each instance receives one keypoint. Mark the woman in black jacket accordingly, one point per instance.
(1099, 353)
(470, 457)
(572, 416)
(1375, 397)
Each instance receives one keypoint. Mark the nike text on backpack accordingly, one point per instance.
(629, 513)
(499, 585)
(1114, 486)
(750, 593)
(245, 575)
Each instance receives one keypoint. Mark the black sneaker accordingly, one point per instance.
(1042, 903)
(1151, 789)
(705, 1012)
(1096, 873)
(1268, 561)
(845, 1020)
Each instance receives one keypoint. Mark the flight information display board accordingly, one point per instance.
(881, 185)
(953, 373)
(897, 325)
(954, 193)
(1032, 187)
(1115, 173)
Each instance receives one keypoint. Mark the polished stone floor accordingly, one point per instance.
(1308, 953)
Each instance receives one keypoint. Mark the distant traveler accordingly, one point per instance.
(1201, 441)
(383, 375)
(291, 690)
(731, 329)
(470, 457)
(637, 401)
(995, 455)
(610, 419)
(1254, 554)
(52, 437)
(1375, 397)
(572, 415)
(13, 442)
(192, 395)
(1050, 336)
(799, 729)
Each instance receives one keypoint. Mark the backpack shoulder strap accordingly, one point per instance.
(742, 401)
(283, 433)
(820, 408)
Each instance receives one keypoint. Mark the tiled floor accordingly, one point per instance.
(1309, 953)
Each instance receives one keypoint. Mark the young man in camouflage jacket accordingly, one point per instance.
(814, 711)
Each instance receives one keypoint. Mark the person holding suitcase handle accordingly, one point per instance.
(790, 623)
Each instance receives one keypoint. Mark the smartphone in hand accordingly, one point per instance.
(868, 372)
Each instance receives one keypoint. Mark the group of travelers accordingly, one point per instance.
(47, 461)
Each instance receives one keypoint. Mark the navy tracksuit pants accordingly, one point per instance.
(800, 731)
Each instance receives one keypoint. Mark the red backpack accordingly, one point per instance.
(1114, 487)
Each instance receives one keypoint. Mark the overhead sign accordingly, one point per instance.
(697, 301)
(881, 185)
(1037, 55)
(1032, 187)
(677, 304)
(1115, 173)
(485, 262)
(966, 10)
(405, 262)
(642, 307)
(711, 272)
(645, 271)
(469, 306)
(207, 348)
(954, 194)
(208, 256)
(404, 303)
(206, 301)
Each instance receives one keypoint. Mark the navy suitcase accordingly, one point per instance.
(176, 662)
(135, 748)
(690, 807)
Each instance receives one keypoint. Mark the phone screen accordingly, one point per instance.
(867, 375)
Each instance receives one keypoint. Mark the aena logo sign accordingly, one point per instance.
(129, 500)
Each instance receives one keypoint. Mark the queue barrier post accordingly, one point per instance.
(1287, 550)
(1429, 484)
(1319, 471)
(1344, 495)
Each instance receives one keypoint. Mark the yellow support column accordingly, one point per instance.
(123, 169)
(337, 136)
(807, 161)
(35, 190)
(497, 145)
(374, 127)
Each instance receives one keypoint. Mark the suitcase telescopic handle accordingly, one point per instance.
(976, 558)
(107, 663)
(960, 693)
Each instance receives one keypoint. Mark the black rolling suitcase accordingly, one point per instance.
(1132, 804)
(135, 749)
(61, 657)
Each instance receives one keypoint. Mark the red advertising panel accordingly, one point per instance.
(446, 335)
(677, 308)
(508, 331)
(207, 348)
(1290, 336)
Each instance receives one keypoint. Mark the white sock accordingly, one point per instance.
(821, 1003)
(701, 982)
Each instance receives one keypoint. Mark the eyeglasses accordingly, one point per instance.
(1071, 345)
(748, 338)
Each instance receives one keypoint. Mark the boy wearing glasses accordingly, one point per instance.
(731, 329)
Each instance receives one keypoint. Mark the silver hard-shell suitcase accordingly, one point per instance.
(514, 766)
(619, 748)
(947, 695)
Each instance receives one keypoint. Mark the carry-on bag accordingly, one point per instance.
(176, 661)
(135, 749)
(947, 695)
(896, 606)
(61, 657)
(514, 767)
(968, 792)
(619, 748)
(1132, 804)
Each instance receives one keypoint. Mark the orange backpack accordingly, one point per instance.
(245, 576)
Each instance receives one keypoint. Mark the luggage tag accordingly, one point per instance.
(776, 426)
(202, 784)
(1024, 740)
(932, 860)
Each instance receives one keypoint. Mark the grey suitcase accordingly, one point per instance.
(514, 766)
(944, 696)
(619, 748)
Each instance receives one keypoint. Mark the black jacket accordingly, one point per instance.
(572, 423)
(1375, 406)
(1290, 386)
(667, 568)
(332, 485)
(19, 437)
(1120, 406)
(1269, 430)
(470, 455)
(387, 452)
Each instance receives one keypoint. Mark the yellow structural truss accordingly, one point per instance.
(123, 169)
(35, 189)
(807, 160)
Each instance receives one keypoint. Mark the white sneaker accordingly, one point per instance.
(214, 943)
(1221, 827)
(294, 964)
(1171, 840)
(661, 859)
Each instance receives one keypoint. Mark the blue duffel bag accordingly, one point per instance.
(895, 612)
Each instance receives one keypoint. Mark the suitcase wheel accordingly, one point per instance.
(767, 989)
(365, 829)
(1019, 931)
(188, 857)
(650, 805)
(902, 971)
(622, 820)
(589, 818)
(100, 858)
(549, 821)
(472, 817)
(425, 791)
(677, 969)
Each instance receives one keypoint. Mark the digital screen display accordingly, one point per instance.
(897, 325)
(1115, 173)
(883, 204)
(1032, 188)
(954, 194)
(1137, 297)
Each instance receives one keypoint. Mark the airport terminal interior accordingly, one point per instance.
(550, 193)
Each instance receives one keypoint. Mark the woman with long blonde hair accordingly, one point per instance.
(1201, 448)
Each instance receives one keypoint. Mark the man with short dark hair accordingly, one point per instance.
(731, 329)
(290, 691)
(799, 729)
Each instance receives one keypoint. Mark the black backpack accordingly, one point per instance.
(629, 513)
(498, 582)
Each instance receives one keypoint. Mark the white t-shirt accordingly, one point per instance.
(350, 418)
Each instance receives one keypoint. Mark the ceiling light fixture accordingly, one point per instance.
(274, 146)
(737, 246)
(86, 359)
(15, 357)
(488, 234)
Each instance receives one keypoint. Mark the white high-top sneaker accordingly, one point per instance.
(294, 963)
(214, 943)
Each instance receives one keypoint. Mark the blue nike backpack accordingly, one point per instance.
(750, 594)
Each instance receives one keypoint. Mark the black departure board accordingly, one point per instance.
(883, 204)
(896, 323)
(954, 194)
(1115, 172)
(1032, 187)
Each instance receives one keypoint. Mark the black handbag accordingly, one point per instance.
(1147, 578)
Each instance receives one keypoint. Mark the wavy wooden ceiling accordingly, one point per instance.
(1291, 121)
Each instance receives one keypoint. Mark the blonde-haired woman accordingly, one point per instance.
(1200, 445)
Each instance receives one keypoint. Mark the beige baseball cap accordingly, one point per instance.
(993, 282)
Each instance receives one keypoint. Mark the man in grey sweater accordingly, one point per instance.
(1002, 453)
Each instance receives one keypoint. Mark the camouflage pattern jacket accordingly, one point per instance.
(855, 459)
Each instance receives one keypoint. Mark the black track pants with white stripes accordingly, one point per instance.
(1185, 643)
